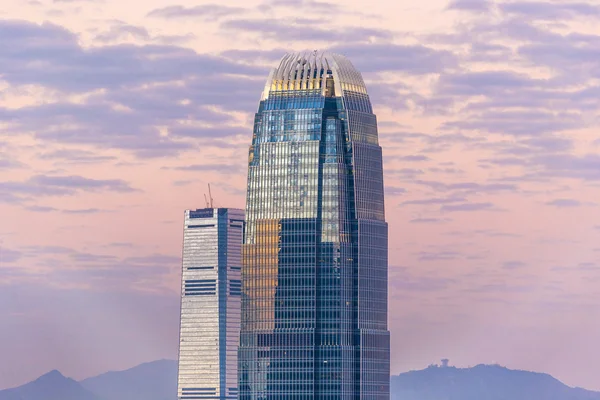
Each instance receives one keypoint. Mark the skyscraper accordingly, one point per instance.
(314, 301)
(210, 304)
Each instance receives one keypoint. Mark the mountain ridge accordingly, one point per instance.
(52, 385)
(482, 382)
(157, 380)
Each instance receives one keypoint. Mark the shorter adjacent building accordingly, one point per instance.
(210, 304)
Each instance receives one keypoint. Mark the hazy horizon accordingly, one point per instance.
(115, 116)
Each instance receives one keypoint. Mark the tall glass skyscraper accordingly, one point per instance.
(314, 277)
(210, 304)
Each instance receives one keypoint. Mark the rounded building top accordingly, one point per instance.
(311, 70)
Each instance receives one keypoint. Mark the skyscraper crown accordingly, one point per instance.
(310, 70)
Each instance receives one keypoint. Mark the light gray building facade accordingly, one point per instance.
(210, 304)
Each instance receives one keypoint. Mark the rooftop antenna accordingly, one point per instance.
(210, 196)
(205, 200)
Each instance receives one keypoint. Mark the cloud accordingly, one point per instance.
(46, 209)
(207, 132)
(563, 203)
(429, 220)
(124, 32)
(84, 211)
(565, 56)
(467, 207)
(65, 267)
(154, 259)
(475, 83)
(468, 187)
(99, 124)
(585, 167)
(394, 191)
(7, 162)
(133, 93)
(220, 168)
(438, 256)
(302, 29)
(91, 258)
(411, 59)
(42, 250)
(50, 55)
(46, 185)
(414, 158)
(546, 10)
(8, 255)
(588, 266)
(446, 200)
(513, 264)
(405, 282)
(470, 5)
(206, 11)
(518, 123)
(42, 209)
(314, 4)
(72, 156)
(255, 56)
(405, 173)
(74, 182)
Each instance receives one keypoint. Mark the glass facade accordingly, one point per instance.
(314, 276)
(210, 304)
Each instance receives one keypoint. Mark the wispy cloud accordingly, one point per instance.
(513, 264)
(548, 10)
(429, 220)
(467, 207)
(562, 203)
(443, 200)
(296, 29)
(205, 11)
(470, 5)
(47, 185)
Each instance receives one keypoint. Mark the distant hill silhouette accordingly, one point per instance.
(483, 382)
(157, 380)
(51, 386)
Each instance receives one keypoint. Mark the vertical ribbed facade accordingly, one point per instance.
(210, 304)
(314, 277)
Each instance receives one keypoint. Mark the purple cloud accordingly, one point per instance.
(51, 55)
(513, 264)
(204, 11)
(46, 185)
(429, 220)
(439, 256)
(220, 168)
(71, 156)
(446, 200)
(414, 158)
(563, 203)
(8, 255)
(518, 123)
(467, 207)
(412, 59)
(296, 29)
(470, 5)
(394, 191)
(550, 10)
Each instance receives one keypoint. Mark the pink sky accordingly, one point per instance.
(115, 115)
